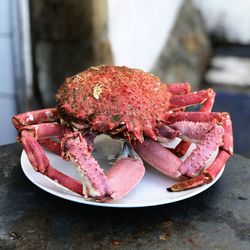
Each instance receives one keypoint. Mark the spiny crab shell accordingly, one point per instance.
(114, 100)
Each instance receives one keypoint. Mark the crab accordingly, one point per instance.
(137, 107)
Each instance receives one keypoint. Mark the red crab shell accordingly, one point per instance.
(111, 99)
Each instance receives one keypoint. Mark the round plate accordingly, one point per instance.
(151, 191)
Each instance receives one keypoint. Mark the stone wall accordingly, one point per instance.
(186, 53)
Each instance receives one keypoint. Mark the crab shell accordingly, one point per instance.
(114, 100)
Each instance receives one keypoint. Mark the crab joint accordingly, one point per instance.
(128, 152)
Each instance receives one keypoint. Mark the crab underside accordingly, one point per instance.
(135, 106)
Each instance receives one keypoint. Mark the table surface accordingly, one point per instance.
(30, 218)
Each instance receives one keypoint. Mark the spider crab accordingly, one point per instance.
(136, 106)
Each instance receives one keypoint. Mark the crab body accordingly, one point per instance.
(113, 100)
(135, 106)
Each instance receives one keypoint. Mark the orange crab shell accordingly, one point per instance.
(111, 99)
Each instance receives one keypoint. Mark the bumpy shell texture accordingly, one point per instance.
(114, 100)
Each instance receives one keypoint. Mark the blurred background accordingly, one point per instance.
(204, 42)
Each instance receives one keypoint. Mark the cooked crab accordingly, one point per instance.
(133, 105)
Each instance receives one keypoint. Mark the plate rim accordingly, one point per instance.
(71, 196)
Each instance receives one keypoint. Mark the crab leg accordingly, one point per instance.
(123, 176)
(52, 145)
(44, 130)
(179, 88)
(35, 117)
(126, 173)
(208, 117)
(159, 157)
(225, 151)
(204, 149)
(27, 119)
(40, 162)
(209, 103)
(166, 162)
(206, 106)
(206, 176)
(94, 181)
(167, 132)
(210, 130)
(191, 99)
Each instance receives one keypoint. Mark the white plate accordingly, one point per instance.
(151, 191)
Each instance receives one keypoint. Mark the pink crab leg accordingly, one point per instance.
(221, 118)
(35, 117)
(123, 176)
(204, 149)
(194, 116)
(43, 133)
(209, 103)
(193, 164)
(207, 106)
(167, 132)
(179, 88)
(190, 99)
(159, 157)
(126, 173)
(166, 162)
(44, 129)
(94, 180)
(212, 130)
(40, 162)
(228, 138)
(52, 145)
(206, 176)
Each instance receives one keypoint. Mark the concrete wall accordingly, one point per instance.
(7, 80)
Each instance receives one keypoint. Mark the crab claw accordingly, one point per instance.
(123, 176)
(94, 181)
(126, 173)
(211, 132)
